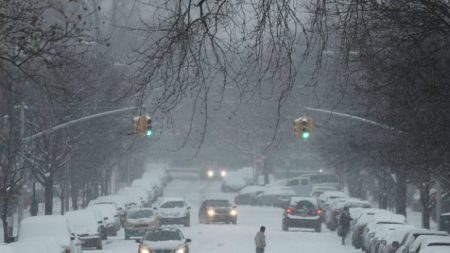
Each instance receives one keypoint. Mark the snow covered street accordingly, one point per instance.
(228, 238)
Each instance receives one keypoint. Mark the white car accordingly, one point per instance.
(411, 236)
(36, 245)
(430, 241)
(174, 210)
(369, 230)
(380, 232)
(84, 225)
(111, 218)
(164, 240)
(327, 197)
(53, 226)
(390, 241)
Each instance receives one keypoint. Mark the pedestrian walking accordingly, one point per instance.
(344, 224)
(260, 240)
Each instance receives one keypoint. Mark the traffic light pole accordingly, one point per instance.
(76, 121)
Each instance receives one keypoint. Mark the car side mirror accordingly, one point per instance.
(138, 240)
(188, 240)
(395, 244)
(189, 207)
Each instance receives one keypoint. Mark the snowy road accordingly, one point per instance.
(227, 238)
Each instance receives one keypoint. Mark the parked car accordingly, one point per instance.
(301, 186)
(174, 211)
(35, 245)
(327, 197)
(100, 222)
(412, 235)
(323, 179)
(49, 226)
(110, 216)
(430, 241)
(84, 225)
(138, 221)
(360, 222)
(217, 210)
(332, 213)
(164, 240)
(275, 196)
(248, 195)
(302, 212)
(379, 233)
(369, 230)
(390, 241)
(116, 200)
(316, 190)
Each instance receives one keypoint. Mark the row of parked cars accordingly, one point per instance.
(87, 228)
(380, 231)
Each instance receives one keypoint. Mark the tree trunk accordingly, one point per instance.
(48, 193)
(74, 197)
(5, 221)
(401, 192)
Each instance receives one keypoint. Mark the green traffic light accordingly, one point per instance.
(149, 132)
(305, 135)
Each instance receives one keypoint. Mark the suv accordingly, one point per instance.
(138, 221)
(302, 212)
(174, 211)
(217, 210)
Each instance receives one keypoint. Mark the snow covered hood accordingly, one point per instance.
(157, 245)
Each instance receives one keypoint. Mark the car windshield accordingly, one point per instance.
(162, 235)
(218, 203)
(140, 214)
(172, 204)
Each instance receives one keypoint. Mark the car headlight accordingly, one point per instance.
(145, 250)
(233, 212)
(180, 250)
(210, 173)
(223, 173)
(211, 212)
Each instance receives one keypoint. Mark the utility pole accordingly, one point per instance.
(21, 160)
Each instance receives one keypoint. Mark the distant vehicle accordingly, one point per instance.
(323, 179)
(302, 212)
(164, 240)
(138, 221)
(212, 173)
(300, 185)
(174, 211)
(49, 226)
(217, 210)
(412, 235)
(249, 195)
(84, 225)
(277, 197)
(327, 197)
(317, 190)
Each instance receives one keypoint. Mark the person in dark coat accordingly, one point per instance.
(344, 223)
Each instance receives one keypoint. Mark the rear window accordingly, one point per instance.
(173, 204)
(303, 204)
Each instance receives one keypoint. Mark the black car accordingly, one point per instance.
(302, 212)
(217, 210)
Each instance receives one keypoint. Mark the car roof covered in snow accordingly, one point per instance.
(170, 199)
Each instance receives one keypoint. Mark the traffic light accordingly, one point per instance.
(303, 127)
(149, 132)
(143, 126)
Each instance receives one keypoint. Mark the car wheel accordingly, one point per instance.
(285, 226)
(318, 227)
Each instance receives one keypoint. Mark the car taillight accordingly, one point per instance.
(319, 211)
(289, 210)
